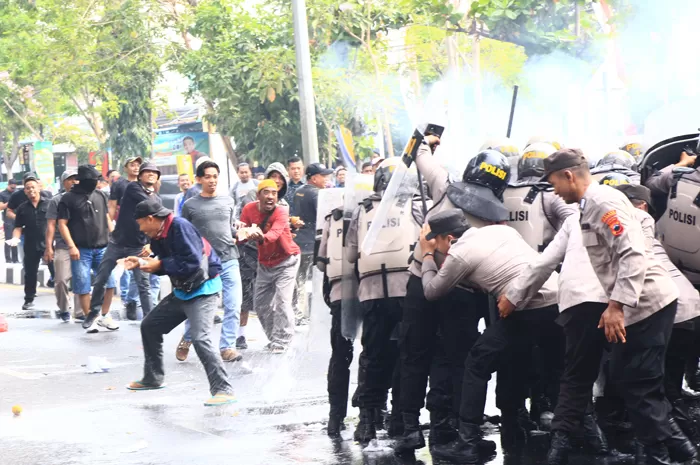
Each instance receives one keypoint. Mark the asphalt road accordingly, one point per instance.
(70, 417)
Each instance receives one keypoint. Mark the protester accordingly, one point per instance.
(340, 173)
(57, 251)
(7, 223)
(131, 166)
(197, 188)
(278, 261)
(179, 249)
(296, 179)
(184, 183)
(245, 182)
(214, 218)
(112, 177)
(367, 168)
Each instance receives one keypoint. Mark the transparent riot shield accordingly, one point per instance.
(403, 183)
(357, 187)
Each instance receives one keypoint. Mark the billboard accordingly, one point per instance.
(43, 162)
(167, 147)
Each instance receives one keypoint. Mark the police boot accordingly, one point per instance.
(681, 414)
(412, 438)
(442, 430)
(365, 430)
(464, 449)
(395, 428)
(655, 454)
(559, 450)
(611, 416)
(680, 449)
(336, 419)
(593, 436)
(513, 435)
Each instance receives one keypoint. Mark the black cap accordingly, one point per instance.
(148, 165)
(12, 182)
(29, 177)
(563, 159)
(447, 222)
(150, 207)
(636, 192)
(317, 168)
(87, 172)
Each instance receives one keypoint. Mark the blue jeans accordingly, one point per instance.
(124, 285)
(132, 294)
(90, 259)
(233, 295)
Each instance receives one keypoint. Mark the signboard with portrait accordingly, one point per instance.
(101, 162)
(167, 147)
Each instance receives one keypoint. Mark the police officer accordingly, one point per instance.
(534, 211)
(382, 288)
(489, 258)
(617, 161)
(455, 317)
(642, 306)
(330, 262)
(506, 147)
(615, 179)
(682, 341)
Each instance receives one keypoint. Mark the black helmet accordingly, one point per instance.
(531, 163)
(633, 148)
(384, 172)
(504, 146)
(489, 169)
(615, 179)
(539, 139)
(617, 158)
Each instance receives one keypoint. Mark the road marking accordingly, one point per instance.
(20, 374)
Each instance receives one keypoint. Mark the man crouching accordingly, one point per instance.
(193, 268)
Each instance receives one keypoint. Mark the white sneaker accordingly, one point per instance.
(107, 322)
(94, 326)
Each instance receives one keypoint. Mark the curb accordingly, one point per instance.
(13, 273)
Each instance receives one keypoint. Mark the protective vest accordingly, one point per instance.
(527, 214)
(397, 236)
(679, 227)
(336, 241)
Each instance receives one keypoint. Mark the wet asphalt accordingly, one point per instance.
(71, 417)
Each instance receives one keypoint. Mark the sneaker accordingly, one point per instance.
(231, 355)
(28, 306)
(94, 327)
(79, 319)
(217, 320)
(277, 348)
(89, 320)
(64, 316)
(131, 314)
(183, 349)
(51, 283)
(220, 398)
(241, 343)
(107, 322)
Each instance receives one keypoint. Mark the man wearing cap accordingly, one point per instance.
(194, 269)
(85, 224)
(305, 205)
(8, 225)
(489, 258)
(57, 250)
(642, 302)
(30, 221)
(126, 240)
(267, 223)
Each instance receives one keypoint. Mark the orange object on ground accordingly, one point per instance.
(3, 324)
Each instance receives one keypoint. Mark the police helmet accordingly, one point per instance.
(531, 163)
(489, 169)
(539, 139)
(617, 158)
(384, 172)
(615, 179)
(633, 148)
(504, 146)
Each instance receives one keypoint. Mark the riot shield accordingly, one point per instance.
(357, 187)
(404, 183)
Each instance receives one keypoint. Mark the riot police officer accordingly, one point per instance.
(506, 147)
(382, 288)
(455, 316)
(617, 161)
(615, 179)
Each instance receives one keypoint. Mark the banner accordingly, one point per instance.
(184, 166)
(344, 138)
(166, 147)
(101, 162)
(43, 162)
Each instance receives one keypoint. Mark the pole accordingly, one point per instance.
(512, 110)
(307, 108)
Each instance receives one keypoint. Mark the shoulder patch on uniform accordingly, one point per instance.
(613, 222)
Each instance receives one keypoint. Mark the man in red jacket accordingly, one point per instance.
(278, 261)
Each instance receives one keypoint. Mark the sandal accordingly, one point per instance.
(139, 386)
(220, 398)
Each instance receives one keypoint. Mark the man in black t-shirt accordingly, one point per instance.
(85, 225)
(17, 198)
(116, 190)
(8, 224)
(127, 240)
(30, 220)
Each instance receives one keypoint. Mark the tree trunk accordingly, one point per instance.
(10, 159)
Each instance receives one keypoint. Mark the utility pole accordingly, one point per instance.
(307, 108)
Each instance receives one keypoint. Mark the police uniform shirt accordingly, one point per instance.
(578, 282)
(688, 297)
(489, 258)
(437, 179)
(372, 287)
(625, 265)
(336, 287)
(662, 181)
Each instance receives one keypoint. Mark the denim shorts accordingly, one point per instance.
(89, 260)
